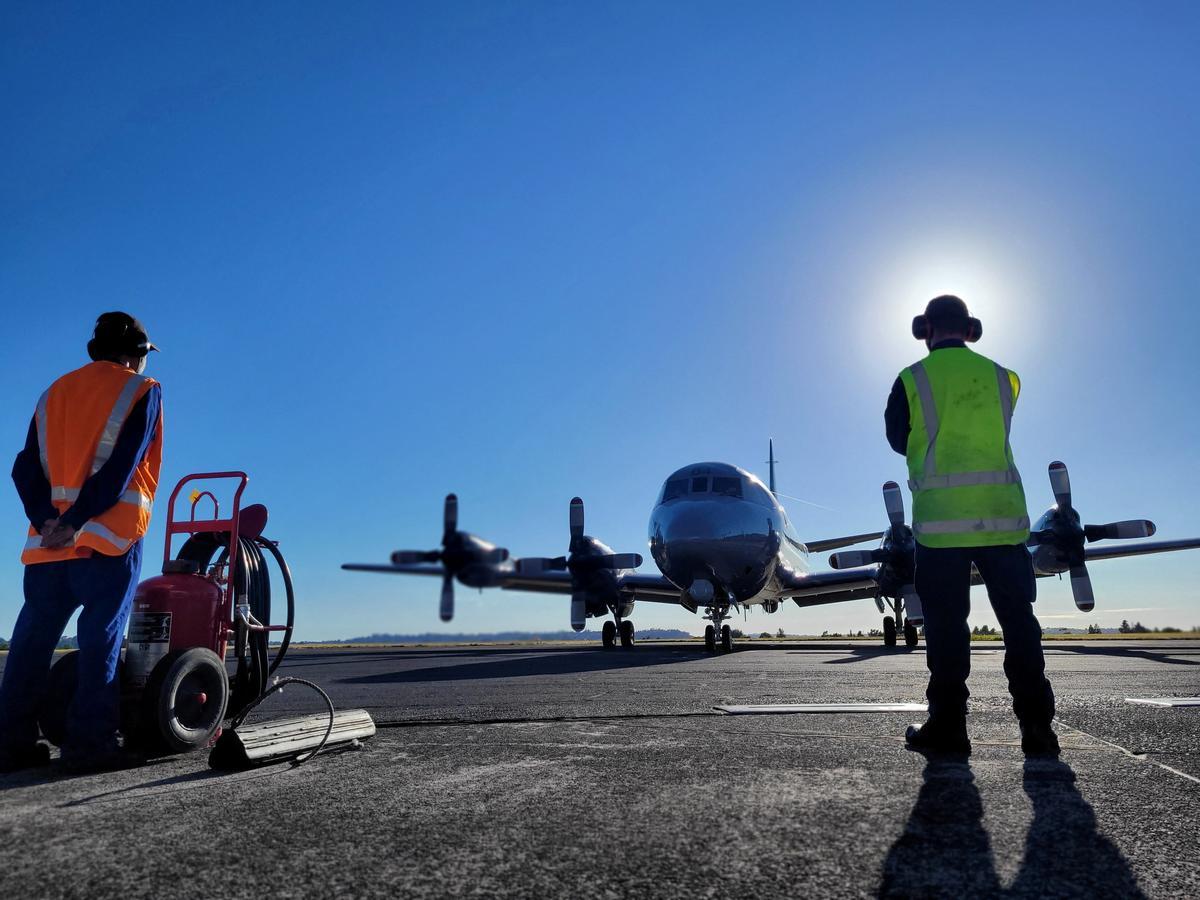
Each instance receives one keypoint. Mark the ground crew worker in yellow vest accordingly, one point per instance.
(950, 416)
(87, 479)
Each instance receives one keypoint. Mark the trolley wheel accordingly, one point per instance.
(710, 639)
(726, 638)
(608, 634)
(188, 693)
(60, 691)
(910, 635)
(889, 631)
(627, 634)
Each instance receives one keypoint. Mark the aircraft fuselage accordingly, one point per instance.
(720, 536)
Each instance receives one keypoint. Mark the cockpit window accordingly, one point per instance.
(700, 485)
(673, 489)
(727, 487)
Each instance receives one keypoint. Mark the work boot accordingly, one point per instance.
(31, 756)
(1039, 739)
(938, 737)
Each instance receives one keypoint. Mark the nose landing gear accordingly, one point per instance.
(717, 634)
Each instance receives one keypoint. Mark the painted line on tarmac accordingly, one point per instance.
(780, 708)
(1140, 757)
(1164, 701)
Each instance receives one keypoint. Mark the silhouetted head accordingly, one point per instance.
(122, 339)
(946, 318)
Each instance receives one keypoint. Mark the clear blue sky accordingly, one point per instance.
(527, 251)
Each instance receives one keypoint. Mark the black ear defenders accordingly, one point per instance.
(922, 328)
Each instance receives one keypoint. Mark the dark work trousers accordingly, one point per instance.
(104, 587)
(944, 584)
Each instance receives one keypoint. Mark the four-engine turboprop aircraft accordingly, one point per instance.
(723, 542)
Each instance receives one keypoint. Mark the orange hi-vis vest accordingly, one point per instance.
(78, 420)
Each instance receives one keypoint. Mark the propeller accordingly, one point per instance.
(459, 550)
(895, 556)
(587, 558)
(1060, 531)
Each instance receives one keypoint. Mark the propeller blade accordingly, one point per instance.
(447, 608)
(893, 502)
(578, 610)
(620, 561)
(576, 518)
(536, 565)
(1081, 588)
(407, 557)
(1060, 484)
(450, 514)
(912, 604)
(1131, 528)
(852, 559)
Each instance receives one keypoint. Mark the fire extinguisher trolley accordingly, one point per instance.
(176, 689)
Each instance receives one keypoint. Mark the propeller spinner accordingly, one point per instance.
(588, 557)
(460, 551)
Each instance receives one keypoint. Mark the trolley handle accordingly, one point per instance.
(215, 524)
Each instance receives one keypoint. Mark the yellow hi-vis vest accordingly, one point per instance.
(966, 488)
(78, 421)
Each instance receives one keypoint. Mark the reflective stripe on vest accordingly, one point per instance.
(967, 526)
(136, 498)
(91, 527)
(112, 428)
(930, 480)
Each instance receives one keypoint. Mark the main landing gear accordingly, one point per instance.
(612, 630)
(716, 635)
(891, 633)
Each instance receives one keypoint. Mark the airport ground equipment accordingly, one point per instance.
(594, 570)
(175, 688)
(297, 738)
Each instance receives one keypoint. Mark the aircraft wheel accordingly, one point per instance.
(609, 635)
(889, 631)
(627, 634)
(910, 635)
(726, 639)
(710, 639)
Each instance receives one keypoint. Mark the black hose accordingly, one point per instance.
(251, 581)
(278, 686)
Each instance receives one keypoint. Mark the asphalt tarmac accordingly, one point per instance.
(535, 772)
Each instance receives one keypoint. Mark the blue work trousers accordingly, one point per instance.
(944, 585)
(104, 587)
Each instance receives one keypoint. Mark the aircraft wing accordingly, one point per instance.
(835, 543)
(651, 588)
(816, 588)
(405, 569)
(1141, 548)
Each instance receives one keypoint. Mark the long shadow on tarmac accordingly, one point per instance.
(945, 851)
(526, 664)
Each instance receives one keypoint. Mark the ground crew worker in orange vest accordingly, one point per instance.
(950, 415)
(87, 479)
